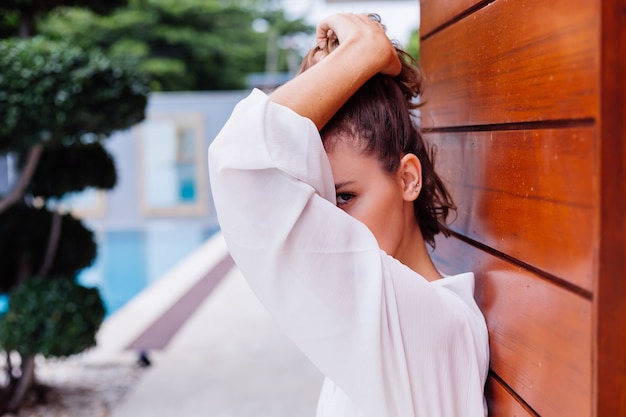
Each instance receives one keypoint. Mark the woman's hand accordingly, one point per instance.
(363, 51)
(360, 33)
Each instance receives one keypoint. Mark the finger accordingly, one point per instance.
(334, 27)
(323, 31)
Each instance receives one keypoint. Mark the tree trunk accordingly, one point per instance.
(53, 243)
(24, 383)
(9, 367)
(25, 176)
(27, 24)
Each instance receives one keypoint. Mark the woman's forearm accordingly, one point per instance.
(319, 92)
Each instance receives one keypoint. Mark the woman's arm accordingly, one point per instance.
(364, 50)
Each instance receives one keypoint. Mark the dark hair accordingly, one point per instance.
(381, 118)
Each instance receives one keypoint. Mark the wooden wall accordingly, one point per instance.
(526, 102)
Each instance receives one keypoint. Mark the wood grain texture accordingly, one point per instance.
(539, 332)
(531, 195)
(502, 403)
(510, 62)
(610, 294)
(527, 102)
(441, 12)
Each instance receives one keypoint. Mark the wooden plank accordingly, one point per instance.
(528, 194)
(610, 294)
(436, 13)
(524, 61)
(539, 332)
(501, 403)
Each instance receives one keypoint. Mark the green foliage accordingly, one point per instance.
(42, 6)
(64, 169)
(52, 91)
(24, 234)
(54, 317)
(181, 45)
(9, 23)
(18, 17)
(414, 45)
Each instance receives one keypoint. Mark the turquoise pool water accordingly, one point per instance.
(130, 260)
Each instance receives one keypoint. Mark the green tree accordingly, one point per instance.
(184, 45)
(413, 46)
(18, 17)
(62, 93)
(58, 102)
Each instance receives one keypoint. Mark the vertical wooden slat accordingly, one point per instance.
(610, 294)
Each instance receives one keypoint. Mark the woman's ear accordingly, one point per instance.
(410, 175)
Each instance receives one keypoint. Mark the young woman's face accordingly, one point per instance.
(368, 193)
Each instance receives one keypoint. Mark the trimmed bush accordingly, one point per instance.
(53, 317)
(64, 169)
(53, 91)
(24, 233)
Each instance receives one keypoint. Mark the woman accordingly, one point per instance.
(333, 242)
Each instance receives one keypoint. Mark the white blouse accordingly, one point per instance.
(389, 342)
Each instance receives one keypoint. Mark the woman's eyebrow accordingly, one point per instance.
(343, 184)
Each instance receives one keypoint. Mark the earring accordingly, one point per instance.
(417, 187)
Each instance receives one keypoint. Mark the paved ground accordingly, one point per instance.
(227, 360)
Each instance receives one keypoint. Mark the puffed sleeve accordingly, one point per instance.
(354, 311)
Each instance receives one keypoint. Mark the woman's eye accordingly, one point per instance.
(344, 198)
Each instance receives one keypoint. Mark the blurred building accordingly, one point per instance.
(161, 208)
